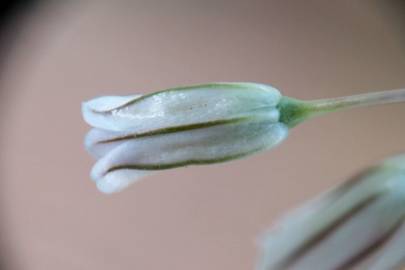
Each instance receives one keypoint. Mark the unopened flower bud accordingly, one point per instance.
(203, 124)
(357, 225)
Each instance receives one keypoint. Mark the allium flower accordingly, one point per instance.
(203, 124)
(357, 225)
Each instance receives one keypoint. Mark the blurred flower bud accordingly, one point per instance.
(357, 225)
(203, 124)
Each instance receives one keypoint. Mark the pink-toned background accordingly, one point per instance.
(198, 218)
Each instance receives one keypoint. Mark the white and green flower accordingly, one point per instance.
(203, 124)
(357, 225)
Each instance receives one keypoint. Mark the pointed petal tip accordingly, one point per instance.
(116, 181)
(95, 142)
(96, 111)
(105, 103)
(89, 140)
(108, 187)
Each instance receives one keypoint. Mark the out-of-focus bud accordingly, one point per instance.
(357, 225)
(203, 124)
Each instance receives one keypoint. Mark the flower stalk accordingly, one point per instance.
(294, 111)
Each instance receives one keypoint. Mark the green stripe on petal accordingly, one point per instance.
(346, 227)
(174, 129)
(193, 147)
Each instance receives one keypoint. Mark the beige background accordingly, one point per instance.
(197, 218)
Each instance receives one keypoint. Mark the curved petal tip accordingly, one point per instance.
(118, 180)
(97, 112)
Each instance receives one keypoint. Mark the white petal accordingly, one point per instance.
(181, 106)
(200, 146)
(295, 226)
(93, 110)
(393, 254)
(107, 103)
(94, 142)
(118, 180)
(353, 237)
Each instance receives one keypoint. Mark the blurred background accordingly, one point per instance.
(56, 54)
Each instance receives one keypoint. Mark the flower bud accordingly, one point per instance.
(203, 124)
(357, 225)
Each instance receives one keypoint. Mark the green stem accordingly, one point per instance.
(295, 111)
